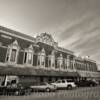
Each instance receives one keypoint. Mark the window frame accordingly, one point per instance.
(11, 47)
(26, 54)
(51, 60)
(41, 58)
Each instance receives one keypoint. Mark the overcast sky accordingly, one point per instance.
(74, 24)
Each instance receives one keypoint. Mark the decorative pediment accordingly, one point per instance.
(61, 55)
(45, 38)
(30, 47)
(15, 43)
(43, 51)
(53, 52)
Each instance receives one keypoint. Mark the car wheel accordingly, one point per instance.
(28, 92)
(91, 85)
(17, 93)
(69, 87)
(47, 89)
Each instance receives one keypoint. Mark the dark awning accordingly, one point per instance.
(36, 72)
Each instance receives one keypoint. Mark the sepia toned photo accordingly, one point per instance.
(50, 50)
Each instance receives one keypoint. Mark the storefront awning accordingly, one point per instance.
(32, 71)
(89, 74)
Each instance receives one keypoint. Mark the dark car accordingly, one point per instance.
(14, 90)
(2, 90)
(86, 83)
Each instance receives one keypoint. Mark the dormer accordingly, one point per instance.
(12, 52)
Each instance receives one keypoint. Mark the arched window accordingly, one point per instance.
(41, 58)
(12, 52)
(28, 55)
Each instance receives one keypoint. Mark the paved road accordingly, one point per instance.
(90, 93)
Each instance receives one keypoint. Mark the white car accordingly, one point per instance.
(43, 87)
(64, 84)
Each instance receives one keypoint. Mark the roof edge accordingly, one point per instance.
(16, 33)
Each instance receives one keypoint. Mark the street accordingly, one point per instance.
(86, 93)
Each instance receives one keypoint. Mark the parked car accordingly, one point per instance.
(99, 82)
(47, 87)
(2, 90)
(64, 84)
(14, 90)
(86, 83)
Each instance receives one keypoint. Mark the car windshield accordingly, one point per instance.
(59, 81)
(70, 80)
(43, 84)
(49, 83)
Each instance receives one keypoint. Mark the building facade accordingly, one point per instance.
(40, 59)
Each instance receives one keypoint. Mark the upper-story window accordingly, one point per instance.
(0, 43)
(13, 55)
(28, 55)
(52, 60)
(41, 58)
(65, 63)
(12, 52)
(60, 61)
(68, 62)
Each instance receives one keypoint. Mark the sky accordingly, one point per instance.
(74, 24)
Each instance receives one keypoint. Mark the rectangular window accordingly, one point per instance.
(13, 55)
(53, 61)
(49, 62)
(58, 63)
(43, 63)
(3, 54)
(38, 62)
(29, 57)
(35, 60)
(25, 57)
(42, 60)
(53, 65)
(8, 54)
